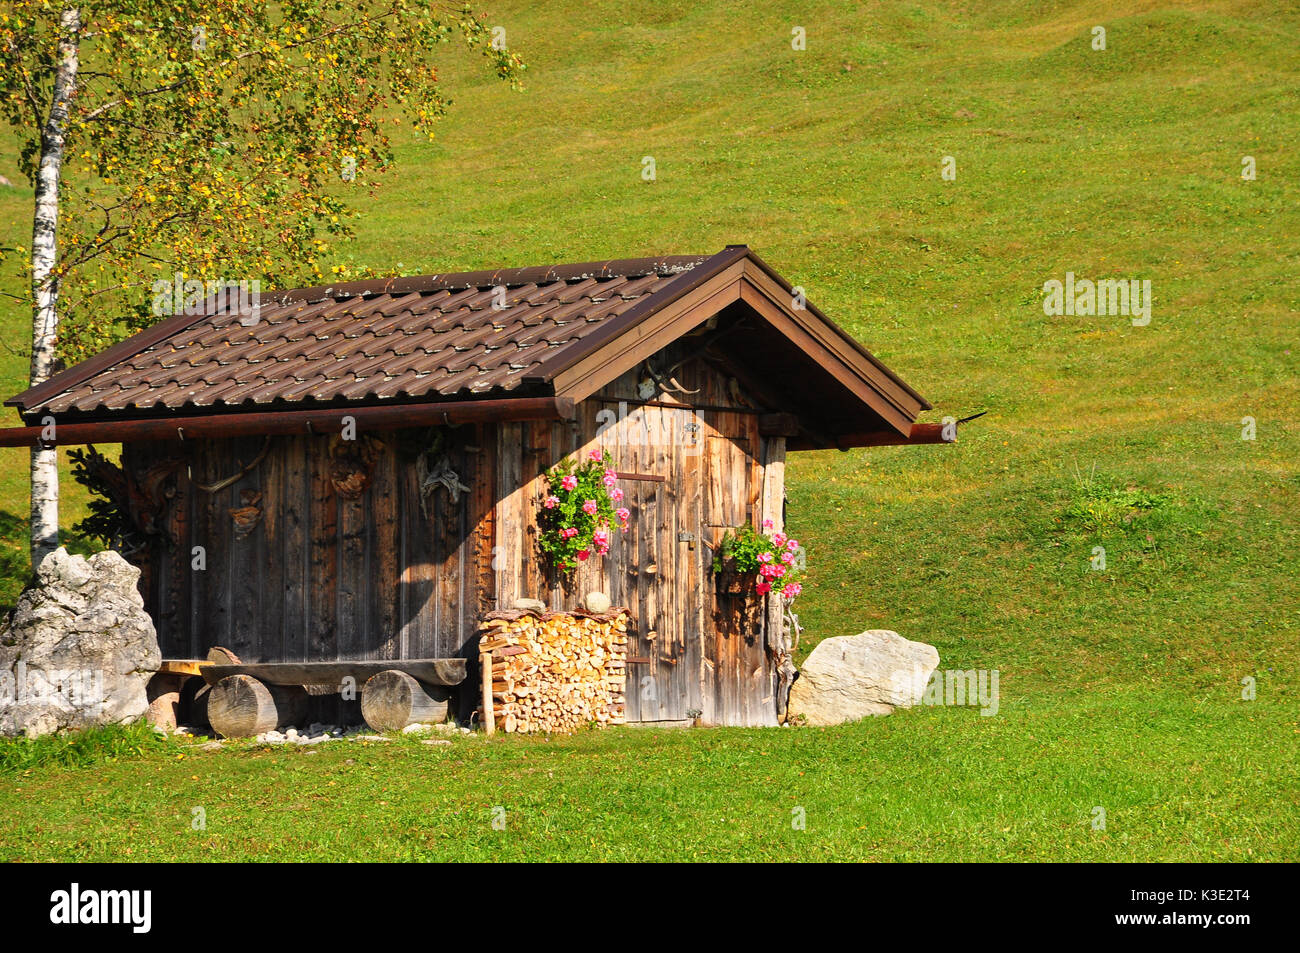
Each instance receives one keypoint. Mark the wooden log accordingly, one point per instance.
(240, 706)
(392, 700)
(433, 671)
(220, 655)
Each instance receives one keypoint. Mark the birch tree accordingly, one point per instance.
(206, 140)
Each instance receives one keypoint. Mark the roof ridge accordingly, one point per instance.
(536, 274)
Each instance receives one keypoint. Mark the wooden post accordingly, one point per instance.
(489, 716)
(778, 640)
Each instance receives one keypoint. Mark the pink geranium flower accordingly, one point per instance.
(596, 454)
(763, 588)
(570, 483)
(623, 513)
(582, 554)
(610, 478)
(552, 502)
(768, 524)
(616, 495)
(792, 544)
(779, 539)
(791, 590)
(590, 507)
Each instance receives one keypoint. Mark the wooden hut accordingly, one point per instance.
(348, 479)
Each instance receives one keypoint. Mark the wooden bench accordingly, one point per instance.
(248, 698)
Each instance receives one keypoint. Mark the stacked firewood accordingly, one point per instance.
(553, 671)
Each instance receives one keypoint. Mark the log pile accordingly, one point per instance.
(553, 671)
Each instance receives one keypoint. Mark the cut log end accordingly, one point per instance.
(392, 700)
(239, 706)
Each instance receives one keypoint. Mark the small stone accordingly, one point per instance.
(596, 602)
(416, 729)
(537, 605)
(372, 738)
(435, 741)
(210, 746)
(291, 733)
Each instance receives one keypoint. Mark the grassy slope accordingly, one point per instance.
(1118, 687)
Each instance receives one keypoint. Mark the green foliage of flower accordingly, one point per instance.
(776, 560)
(581, 507)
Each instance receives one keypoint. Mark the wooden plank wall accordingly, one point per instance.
(681, 657)
(321, 577)
(318, 576)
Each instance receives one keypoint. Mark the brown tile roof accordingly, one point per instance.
(436, 336)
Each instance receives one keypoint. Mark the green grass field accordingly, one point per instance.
(1121, 688)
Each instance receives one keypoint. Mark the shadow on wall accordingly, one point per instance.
(15, 548)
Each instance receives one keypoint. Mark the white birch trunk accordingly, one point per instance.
(45, 281)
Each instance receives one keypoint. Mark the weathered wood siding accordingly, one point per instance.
(318, 576)
(321, 577)
(688, 649)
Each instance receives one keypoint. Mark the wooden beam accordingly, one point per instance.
(880, 395)
(182, 666)
(239, 423)
(920, 434)
(649, 336)
(431, 671)
(778, 425)
(644, 477)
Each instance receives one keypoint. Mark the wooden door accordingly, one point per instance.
(664, 562)
(734, 672)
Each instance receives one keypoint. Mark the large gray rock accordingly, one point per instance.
(78, 649)
(849, 677)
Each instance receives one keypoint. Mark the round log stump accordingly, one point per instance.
(239, 706)
(391, 700)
